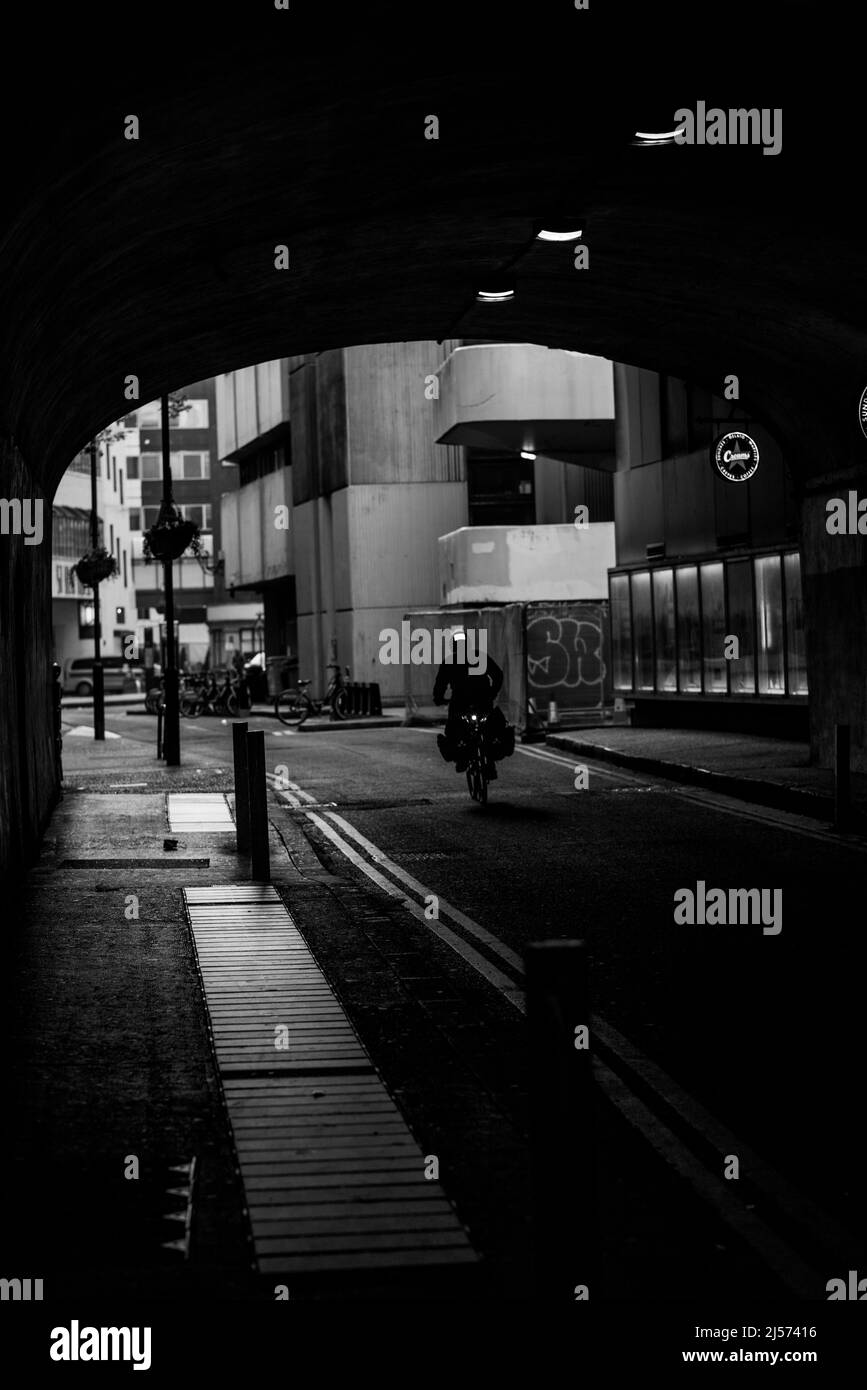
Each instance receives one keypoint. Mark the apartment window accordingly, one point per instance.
(770, 645)
(200, 513)
(663, 616)
(621, 632)
(195, 417)
(149, 516)
(114, 474)
(125, 580)
(120, 480)
(150, 417)
(107, 464)
(111, 534)
(688, 630)
(132, 466)
(741, 625)
(130, 422)
(642, 627)
(194, 465)
(120, 615)
(713, 611)
(135, 518)
(151, 467)
(795, 640)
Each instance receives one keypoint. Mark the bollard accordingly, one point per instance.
(260, 859)
(842, 806)
(242, 787)
(375, 701)
(159, 730)
(562, 1163)
(365, 698)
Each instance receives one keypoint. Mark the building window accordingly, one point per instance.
(688, 630)
(795, 641)
(132, 466)
(195, 417)
(86, 618)
(713, 612)
(200, 513)
(663, 617)
(120, 615)
(741, 625)
(149, 516)
(642, 627)
(114, 474)
(151, 467)
(125, 580)
(135, 518)
(769, 625)
(194, 465)
(184, 466)
(621, 632)
(120, 480)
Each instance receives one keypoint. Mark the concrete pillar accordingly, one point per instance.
(834, 578)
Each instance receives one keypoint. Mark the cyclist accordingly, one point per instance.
(471, 690)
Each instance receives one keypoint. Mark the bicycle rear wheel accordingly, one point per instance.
(291, 707)
(339, 704)
(189, 706)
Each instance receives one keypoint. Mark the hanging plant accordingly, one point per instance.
(170, 535)
(95, 566)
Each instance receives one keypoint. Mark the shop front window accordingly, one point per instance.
(769, 625)
(621, 632)
(663, 615)
(642, 621)
(713, 628)
(741, 626)
(688, 630)
(795, 626)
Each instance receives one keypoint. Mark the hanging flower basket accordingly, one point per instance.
(170, 536)
(95, 566)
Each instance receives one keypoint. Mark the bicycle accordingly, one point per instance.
(475, 737)
(207, 697)
(155, 699)
(294, 705)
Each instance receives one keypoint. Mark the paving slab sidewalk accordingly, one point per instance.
(767, 771)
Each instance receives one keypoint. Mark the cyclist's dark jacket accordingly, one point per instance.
(470, 689)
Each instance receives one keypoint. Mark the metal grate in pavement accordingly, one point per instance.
(334, 1180)
(199, 811)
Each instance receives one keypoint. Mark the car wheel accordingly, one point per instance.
(83, 688)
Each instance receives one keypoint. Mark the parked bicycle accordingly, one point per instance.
(207, 697)
(296, 704)
(155, 699)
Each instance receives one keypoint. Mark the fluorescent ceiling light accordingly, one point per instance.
(547, 234)
(495, 294)
(527, 454)
(662, 137)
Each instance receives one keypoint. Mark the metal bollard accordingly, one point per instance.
(365, 698)
(260, 857)
(842, 806)
(242, 787)
(562, 1159)
(159, 730)
(375, 701)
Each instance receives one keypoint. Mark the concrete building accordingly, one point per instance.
(211, 624)
(72, 611)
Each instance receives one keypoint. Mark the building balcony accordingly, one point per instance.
(514, 397)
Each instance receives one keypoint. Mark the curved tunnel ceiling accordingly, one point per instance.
(306, 128)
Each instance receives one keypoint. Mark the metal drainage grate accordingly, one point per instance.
(334, 1180)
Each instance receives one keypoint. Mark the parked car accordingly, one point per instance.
(118, 676)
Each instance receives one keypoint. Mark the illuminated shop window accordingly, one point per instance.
(621, 632)
(688, 629)
(642, 626)
(741, 625)
(769, 625)
(663, 615)
(713, 628)
(795, 626)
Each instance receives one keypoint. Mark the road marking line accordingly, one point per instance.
(780, 1257)
(795, 1273)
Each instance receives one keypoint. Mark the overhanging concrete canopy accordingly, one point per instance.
(518, 396)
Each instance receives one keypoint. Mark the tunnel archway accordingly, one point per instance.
(155, 257)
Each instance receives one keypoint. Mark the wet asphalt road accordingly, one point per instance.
(765, 1031)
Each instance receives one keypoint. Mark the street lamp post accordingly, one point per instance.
(98, 683)
(172, 726)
